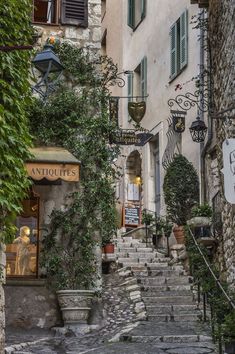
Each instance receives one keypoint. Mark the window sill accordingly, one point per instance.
(46, 24)
(25, 282)
(171, 79)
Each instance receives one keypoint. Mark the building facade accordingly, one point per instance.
(54, 173)
(221, 35)
(159, 50)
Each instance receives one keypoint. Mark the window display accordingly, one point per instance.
(22, 253)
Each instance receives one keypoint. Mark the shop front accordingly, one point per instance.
(54, 173)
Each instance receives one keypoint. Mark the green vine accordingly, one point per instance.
(223, 316)
(76, 117)
(15, 29)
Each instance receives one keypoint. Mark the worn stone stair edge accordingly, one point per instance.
(18, 346)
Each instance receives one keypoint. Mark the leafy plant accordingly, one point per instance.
(181, 190)
(76, 117)
(204, 210)
(147, 218)
(15, 29)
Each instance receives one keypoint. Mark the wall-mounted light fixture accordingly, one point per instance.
(50, 69)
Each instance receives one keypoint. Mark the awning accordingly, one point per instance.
(53, 163)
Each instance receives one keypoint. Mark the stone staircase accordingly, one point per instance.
(173, 315)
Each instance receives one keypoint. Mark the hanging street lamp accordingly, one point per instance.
(48, 65)
(198, 130)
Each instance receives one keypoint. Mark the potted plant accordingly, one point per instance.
(68, 259)
(181, 192)
(228, 331)
(201, 220)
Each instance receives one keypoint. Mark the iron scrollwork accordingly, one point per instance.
(189, 100)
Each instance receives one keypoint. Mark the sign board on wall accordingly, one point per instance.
(131, 216)
(229, 169)
(52, 172)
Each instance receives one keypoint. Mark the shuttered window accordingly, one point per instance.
(74, 12)
(179, 45)
(130, 90)
(136, 12)
(143, 78)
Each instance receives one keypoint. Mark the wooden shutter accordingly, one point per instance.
(143, 77)
(131, 13)
(74, 12)
(129, 90)
(173, 51)
(143, 9)
(183, 39)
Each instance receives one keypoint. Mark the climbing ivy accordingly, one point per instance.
(15, 30)
(76, 117)
(222, 315)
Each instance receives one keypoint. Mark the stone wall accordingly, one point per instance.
(32, 306)
(222, 44)
(82, 37)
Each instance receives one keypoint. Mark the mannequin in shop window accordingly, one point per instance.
(22, 255)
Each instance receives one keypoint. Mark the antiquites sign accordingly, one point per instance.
(52, 172)
(229, 169)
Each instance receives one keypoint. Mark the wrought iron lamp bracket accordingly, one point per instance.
(189, 100)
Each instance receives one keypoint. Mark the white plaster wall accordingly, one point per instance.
(152, 39)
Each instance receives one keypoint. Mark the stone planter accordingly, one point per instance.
(201, 226)
(75, 305)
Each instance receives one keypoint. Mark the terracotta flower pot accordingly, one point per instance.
(179, 234)
(109, 248)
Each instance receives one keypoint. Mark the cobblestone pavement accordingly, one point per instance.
(45, 342)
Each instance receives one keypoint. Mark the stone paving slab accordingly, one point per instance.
(125, 348)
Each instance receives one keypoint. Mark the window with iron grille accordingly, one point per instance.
(69, 12)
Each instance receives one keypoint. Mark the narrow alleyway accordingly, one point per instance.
(149, 306)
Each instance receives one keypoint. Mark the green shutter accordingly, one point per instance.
(143, 77)
(129, 91)
(131, 13)
(143, 9)
(173, 53)
(183, 39)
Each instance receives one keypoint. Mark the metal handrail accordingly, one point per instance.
(211, 271)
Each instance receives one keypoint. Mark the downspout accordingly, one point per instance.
(203, 148)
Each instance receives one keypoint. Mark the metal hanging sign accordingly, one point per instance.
(178, 121)
(229, 169)
(137, 110)
(124, 137)
(113, 109)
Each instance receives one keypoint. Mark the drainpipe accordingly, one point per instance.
(203, 148)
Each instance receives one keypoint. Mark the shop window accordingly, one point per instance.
(22, 253)
(71, 12)
(179, 45)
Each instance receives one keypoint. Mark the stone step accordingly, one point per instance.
(167, 339)
(125, 250)
(168, 299)
(152, 281)
(166, 272)
(175, 309)
(169, 332)
(128, 260)
(141, 255)
(188, 317)
(155, 291)
(144, 249)
(168, 288)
